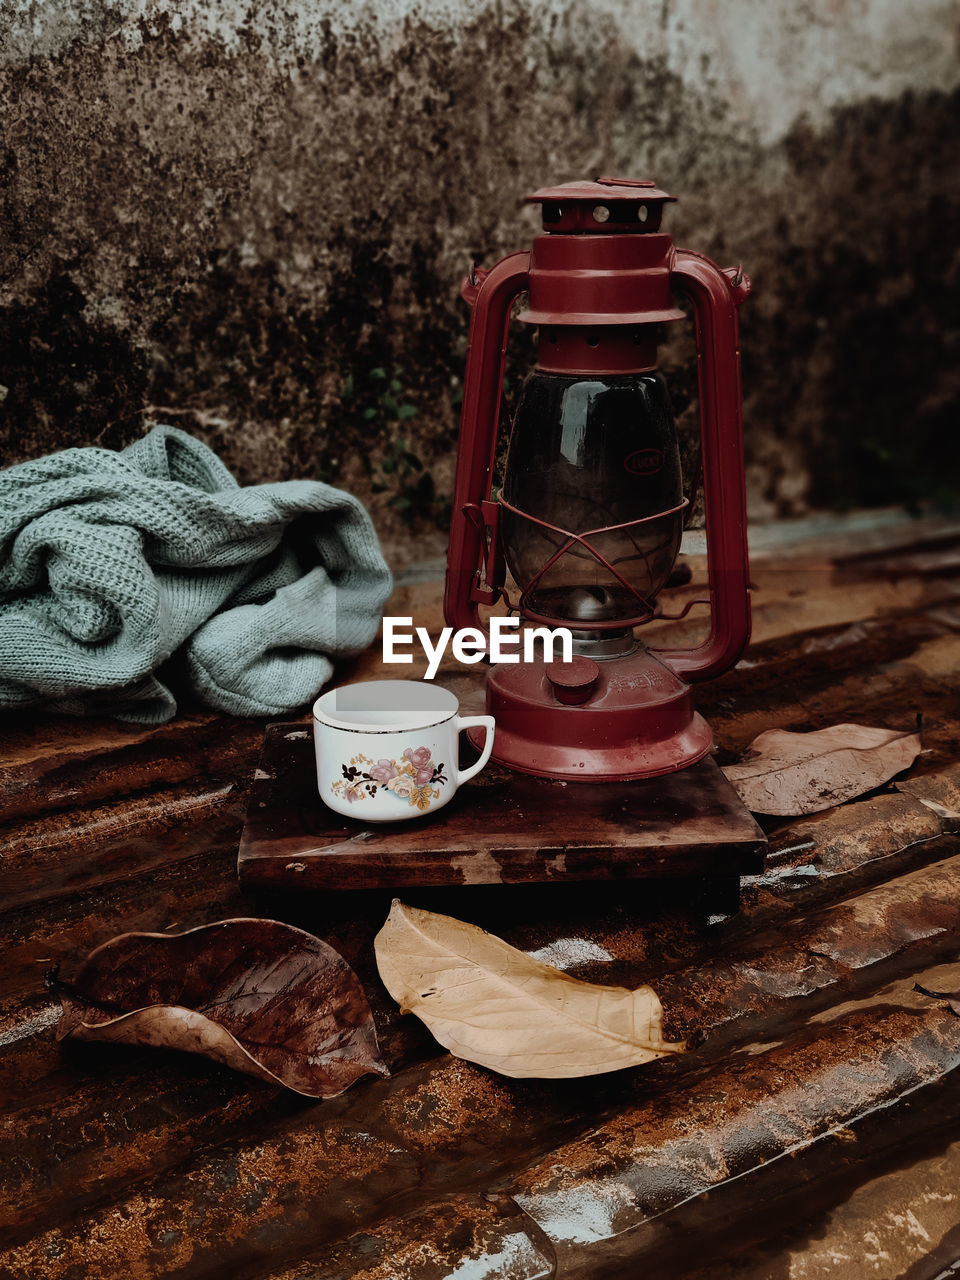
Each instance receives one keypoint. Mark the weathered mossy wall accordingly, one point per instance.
(238, 219)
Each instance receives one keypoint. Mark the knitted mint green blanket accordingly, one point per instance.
(123, 574)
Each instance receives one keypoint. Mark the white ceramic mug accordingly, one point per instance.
(387, 750)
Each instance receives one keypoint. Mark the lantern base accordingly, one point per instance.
(637, 721)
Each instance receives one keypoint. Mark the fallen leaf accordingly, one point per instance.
(492, 1004)
(789, 773)
(257, 995)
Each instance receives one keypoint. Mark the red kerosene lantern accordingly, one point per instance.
(590, 512)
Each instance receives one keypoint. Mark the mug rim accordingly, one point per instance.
(323, 717)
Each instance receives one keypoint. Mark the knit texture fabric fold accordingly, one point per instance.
(121, 570)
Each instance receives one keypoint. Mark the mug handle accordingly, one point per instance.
(467, 722)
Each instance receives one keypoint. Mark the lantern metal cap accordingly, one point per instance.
(603, 207)
(636, 189)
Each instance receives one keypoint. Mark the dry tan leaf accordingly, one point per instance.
(492, 1004)
(790, 773)
(257, 995)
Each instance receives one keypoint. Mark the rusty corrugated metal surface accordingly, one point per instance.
(811, 1129)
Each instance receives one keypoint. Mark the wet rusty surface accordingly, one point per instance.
(817, 1074)
(645, 1161)
(48, 767)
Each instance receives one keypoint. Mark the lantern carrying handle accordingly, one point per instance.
(491, 295)
(716, 295)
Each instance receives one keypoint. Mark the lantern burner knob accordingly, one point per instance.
(573, 681)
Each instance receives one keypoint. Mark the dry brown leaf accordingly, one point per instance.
(790, 773)
(492, 1004)
(257, 995)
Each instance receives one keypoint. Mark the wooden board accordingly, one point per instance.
(502, 827)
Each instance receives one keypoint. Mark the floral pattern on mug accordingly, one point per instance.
(414, 778)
